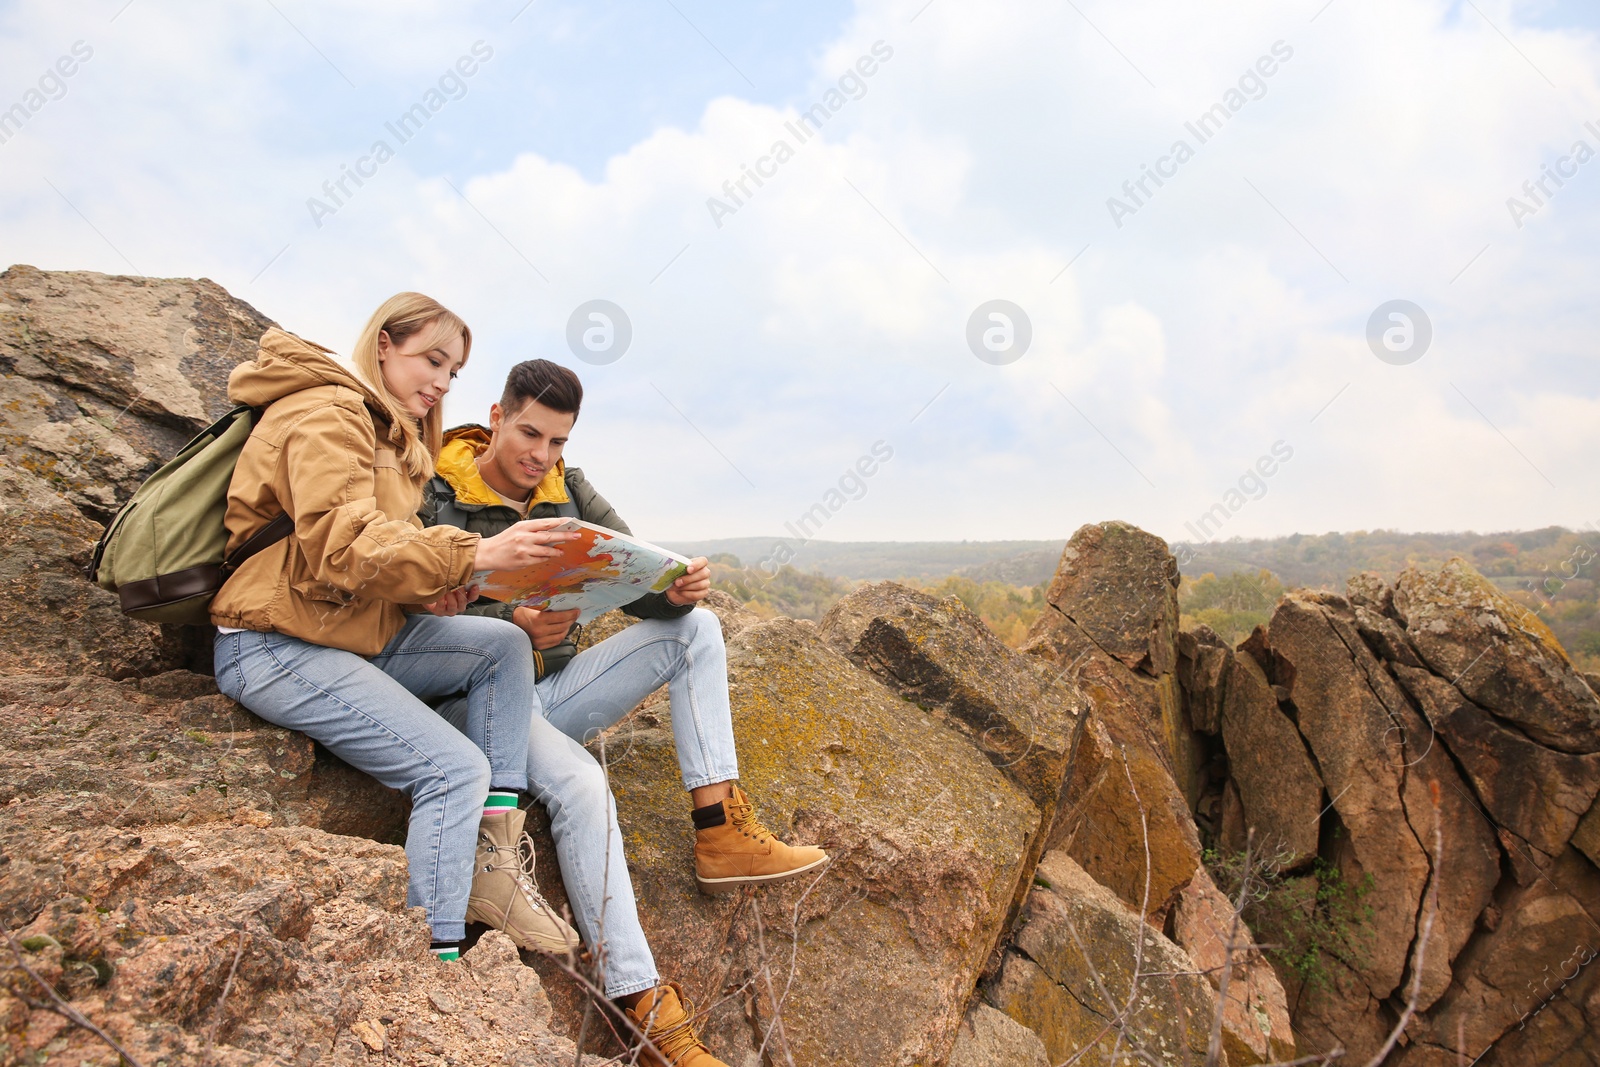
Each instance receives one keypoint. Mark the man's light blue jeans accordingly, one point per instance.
(371, 714)
(593, 692)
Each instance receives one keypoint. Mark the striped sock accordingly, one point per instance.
(499, 800)
(446, 950)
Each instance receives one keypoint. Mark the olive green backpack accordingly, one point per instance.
(165, 553)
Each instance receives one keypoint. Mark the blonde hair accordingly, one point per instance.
(401, 316)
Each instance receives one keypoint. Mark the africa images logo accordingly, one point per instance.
(852, 82)
(1252, 85)
(1399, 332)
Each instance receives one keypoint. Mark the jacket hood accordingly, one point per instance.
(286, 364)
(457, 465)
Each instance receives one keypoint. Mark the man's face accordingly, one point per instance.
(527, 444)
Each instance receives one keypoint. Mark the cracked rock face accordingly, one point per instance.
(1379, 763)
(1120, 586)
(1527, 991)
(1436, 694)
(1536, 795)
(101, 380)
(1280, 789)
(1072, 970)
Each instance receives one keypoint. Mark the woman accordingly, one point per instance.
(343, 630)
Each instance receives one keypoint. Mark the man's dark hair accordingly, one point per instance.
(551, 384)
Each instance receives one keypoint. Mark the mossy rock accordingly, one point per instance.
(874, 961)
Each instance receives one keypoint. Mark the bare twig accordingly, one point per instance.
(794, 937)
(1118, 1022)
(583, 1033)
(765, 970)
(1316, 1057)
(1144, 909)
(222, 1000)
(1214, 1045)
(607, 1010)
(1429, 913)
(57, 1005)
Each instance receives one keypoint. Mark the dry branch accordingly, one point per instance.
(222, 1000)
(56, 1004)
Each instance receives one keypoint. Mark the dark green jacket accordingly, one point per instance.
(450, 498)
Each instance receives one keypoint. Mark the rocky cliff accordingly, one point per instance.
(1125, 841)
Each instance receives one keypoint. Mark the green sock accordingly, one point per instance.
(446, 950)
(499, 800)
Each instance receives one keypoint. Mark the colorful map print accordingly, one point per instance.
(597, 571)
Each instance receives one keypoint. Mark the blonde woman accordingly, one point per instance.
(346, 628)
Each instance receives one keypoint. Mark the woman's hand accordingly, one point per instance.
(453, 602)
(524, 543)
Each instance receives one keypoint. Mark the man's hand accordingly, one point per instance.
(693, 586)
(547, 629)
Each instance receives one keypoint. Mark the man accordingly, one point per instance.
(487, 480)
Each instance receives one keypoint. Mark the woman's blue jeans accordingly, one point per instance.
(372, 714)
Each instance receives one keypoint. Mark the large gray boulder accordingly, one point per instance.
(104, 377)
(1499, 654)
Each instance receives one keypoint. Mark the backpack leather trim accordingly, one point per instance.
(204, 580)
(171, 588)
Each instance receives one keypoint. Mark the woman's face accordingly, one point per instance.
(418, 376)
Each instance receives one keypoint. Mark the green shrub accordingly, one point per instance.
(1301, 920)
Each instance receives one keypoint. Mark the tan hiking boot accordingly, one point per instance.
(739, 851)
(504, 894)
(668, 1021)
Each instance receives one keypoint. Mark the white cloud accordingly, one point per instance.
(829, 308)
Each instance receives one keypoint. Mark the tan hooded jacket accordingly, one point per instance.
(324, 454)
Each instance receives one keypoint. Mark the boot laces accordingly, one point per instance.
(520, 867)
(679, 1038)
(744, 820)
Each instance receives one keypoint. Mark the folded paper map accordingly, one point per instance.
(599, 570)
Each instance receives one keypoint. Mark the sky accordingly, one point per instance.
(921, 270)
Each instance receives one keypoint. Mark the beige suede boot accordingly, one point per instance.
(738, 851)
(504, 894)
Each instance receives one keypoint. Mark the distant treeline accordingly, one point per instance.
(1551, 572)
(1229, 585)
(1007, 609)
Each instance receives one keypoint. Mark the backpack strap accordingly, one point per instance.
(270, 534)
(282, 525)
(569, 509)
